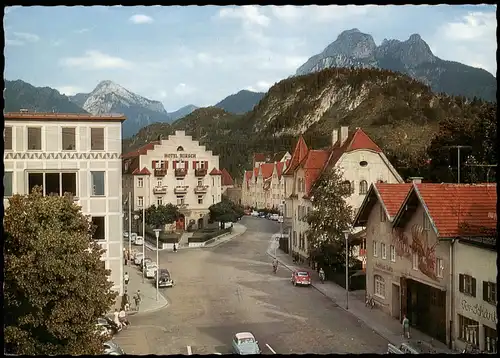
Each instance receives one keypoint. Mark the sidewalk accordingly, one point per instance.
(238, 230)
(381, 323)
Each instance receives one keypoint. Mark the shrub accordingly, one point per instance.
(201, 236)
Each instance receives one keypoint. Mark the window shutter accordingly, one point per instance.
(194, 164)
(352, 187)
(485, 291)
(461, 283)
(174, 164)
(473, 287)
(206, 164)
(166, 164)
(186, 165)
(153, 164)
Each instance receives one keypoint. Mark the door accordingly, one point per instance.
(404, 298)
(200, 223)
(396, 304)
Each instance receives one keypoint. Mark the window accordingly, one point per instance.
(180, 149)
(383, 250)
(96, 138)
(363, 187)
(54, 183)
(200, 182)
(383, 216)
(213, 199)
(200, 199)
(35, 138)
(467, 284)
(159, 182)
(68, 139)
(375, 253)
(490, 339)
(180, 200)
(140, 182)
(7, 184)
(414, 259)
(99, 228)
(439, 267)
(7, 137)
(140, 201)
(379, 288)
(159, 201)
(427, 222)
(97, 183)
(393, 253)
(489, 292)
(469, 330)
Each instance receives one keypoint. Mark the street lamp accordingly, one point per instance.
(157, 233)
(129, 224)
(346, 235)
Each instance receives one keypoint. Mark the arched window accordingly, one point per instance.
(180, 149)
(347, 185)
(363, 187)
(379, 288)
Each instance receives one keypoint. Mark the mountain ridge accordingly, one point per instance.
(241, 102)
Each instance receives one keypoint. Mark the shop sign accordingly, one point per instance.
(384, 267)
(479, 310)
(180, 156)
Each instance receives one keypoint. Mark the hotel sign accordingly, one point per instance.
(180, 156)
(384, 267)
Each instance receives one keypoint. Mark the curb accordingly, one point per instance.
(217, 241)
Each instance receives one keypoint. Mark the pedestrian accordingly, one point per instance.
(122, 316)
(125, 255)
(175, 248)
(128, 255)
(126, 278)
(117, 319)
(137, 299)
(406, 327)
(125, 301)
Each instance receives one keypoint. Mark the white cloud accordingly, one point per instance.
(95, 60)
(183, 89)
(10, 42)
(69, 90)
(315, 13)
(207, 58)
(25, 36)
(249, 14)
(82, 31)
(260, 86)
(141, 19)
(162, 94)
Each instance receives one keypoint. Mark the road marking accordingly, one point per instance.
(272, 350)
(189, 350)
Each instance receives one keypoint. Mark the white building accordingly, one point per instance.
(73, 153)
(361, 161)
(177, 170)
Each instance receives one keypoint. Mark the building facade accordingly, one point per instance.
(71, 153)
(412, 267)
(178, 171)
(360, 160)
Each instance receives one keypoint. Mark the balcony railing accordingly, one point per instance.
(180, 172)
(182, 206)
(160, 172)
(200, 172)
(160, 190)
(181, 189)
(201, 188)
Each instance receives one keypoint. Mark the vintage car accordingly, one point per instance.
(164, 279)
(300, 277)
(144, 262)
(150, 269)
(139, 240)
(113, 349)
(138, 258)
(244, 343)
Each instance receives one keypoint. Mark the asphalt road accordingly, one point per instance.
(231, 288)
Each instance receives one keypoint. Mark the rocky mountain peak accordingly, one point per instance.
(415, 38)
(352, 43)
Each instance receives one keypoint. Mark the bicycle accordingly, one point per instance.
(370, 302)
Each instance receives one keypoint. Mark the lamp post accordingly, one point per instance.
(157, 233)
(130, 224)
(346, 235)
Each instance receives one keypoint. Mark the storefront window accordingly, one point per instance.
(469, 330)
(490, 339)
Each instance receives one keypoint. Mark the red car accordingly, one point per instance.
(301, 278)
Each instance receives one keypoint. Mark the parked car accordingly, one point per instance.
(280, 219)
(133, 236)
(144, 262)
(139, 240)
(138, 258)
(106, 324)
(244, 343)
(125, 234)
(165, 279)
(262, 215)
(150, 269)
(301, 278)
(274, 217)
(111, 348)
(255, 213)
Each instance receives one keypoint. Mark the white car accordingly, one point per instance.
(133, 236)
(280, 219)
(125, 234)
(139, 240)
(255, 213)
(150, 269)
(138, 258)
(274, 217)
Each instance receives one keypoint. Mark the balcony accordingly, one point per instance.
(182, 206)
(160, 172)
(200, 172)
(180, 172)
(160, 190)
(201, 189)
(181, 189)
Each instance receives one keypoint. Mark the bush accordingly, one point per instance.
(201, 236)
(165, 237)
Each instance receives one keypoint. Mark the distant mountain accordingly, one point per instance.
(21, 95)
(412, 57)
(182, 112)
(242, 102)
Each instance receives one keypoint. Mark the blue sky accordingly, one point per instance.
(199, 55)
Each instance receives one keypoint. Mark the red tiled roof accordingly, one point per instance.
(215, 171)
(299, 153)
(143, 171)
(255, 172)
(279, 168)
(313, 164)
(392, 195)
(226, 180)
(141, 151)
(248, 175)
(259, 157)
(452, 205)
(267, 170)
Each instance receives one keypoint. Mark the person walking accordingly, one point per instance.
(122, 316)
(175, 247)
(125, 301)
(125, 256)
(126, 278)
(137, 299)
(406, 327)
(116, 319)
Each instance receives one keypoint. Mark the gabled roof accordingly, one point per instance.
(248, 174)
(299, 153)
(456, 209)
(143, 171)
(267, 170)
(141, 151)
(215, 171)
(313, 164)
(227, 179)
(279, 168)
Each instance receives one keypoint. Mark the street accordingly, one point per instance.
(231, 288)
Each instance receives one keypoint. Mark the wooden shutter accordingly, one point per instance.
(194, 164)
(174, 164)
(153, 165)
(461, 283)
(485, 291)
(206, 164)
(166, 164)
(473, 287)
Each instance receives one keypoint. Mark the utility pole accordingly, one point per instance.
(458, 147)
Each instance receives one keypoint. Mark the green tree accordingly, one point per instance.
(55, 283)
(225, 211)
(329, 217)
(161, 215)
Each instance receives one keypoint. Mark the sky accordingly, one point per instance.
(201, 54)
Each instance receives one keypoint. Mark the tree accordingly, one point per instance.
(225, 211)
(55, 283)
(330, 216)
(161, 215)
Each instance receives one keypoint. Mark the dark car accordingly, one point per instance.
(164, 278)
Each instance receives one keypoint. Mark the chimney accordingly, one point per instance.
(416, 180)
(344, 132)
(335, 136)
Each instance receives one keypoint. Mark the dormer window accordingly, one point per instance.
(180, 149)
